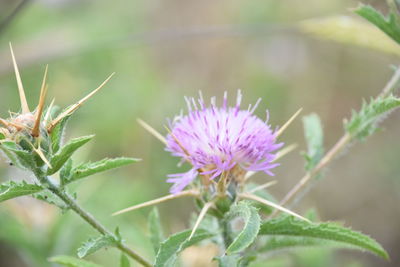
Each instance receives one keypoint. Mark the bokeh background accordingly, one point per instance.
(163, 50)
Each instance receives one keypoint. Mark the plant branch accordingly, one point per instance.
(334, 151)
(73, 205)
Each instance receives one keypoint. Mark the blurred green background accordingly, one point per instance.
(163, 50)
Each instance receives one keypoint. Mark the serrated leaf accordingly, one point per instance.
(363, 123)
(11, 156)
(57, 133)
(350, 31)
(155, 229)
(72, 262)
(22, 158)
(12, 189)
(52, 199)
(171, 247)
(250, 229)
(59, 159)
(88, 169)
(124, 261)
(94, 244)
(290, 226)
(389, 25)
(315, 140)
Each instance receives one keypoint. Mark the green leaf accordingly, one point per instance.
(251, 226)
(228, 260)
(155, 229)
(170, 248)
(51, 199)
(72, 262)
(235, 260)
(94, 244)
(290, 226)
(4, 146)
(389, 25)
(88, 169)
(276, 243)
(65, 172)
(57, 133)
(58, 160)
(12, 189)
(124, 261)
(21, 158)
(363, 123)
(315, 140)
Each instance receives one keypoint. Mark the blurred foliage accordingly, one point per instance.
(164, 50)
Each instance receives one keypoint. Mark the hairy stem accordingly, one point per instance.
(73, 205)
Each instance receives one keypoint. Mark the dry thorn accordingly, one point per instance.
(283, 128)
(4, 122)
(42, 156)
(74, 107)
(263, 186)
(178, 142)
(152, 131)
(42, 98)
(24, 103)
(281, 153)
(271, 204)
(284, 151)
(203, 212)
(159, 200)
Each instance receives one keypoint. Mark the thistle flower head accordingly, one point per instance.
(217, 140)
(31, 130)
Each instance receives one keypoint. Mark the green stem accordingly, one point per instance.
(73, 205)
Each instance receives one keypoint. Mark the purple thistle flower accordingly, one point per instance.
(215, 140)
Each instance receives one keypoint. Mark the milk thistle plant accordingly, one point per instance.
(223, 146)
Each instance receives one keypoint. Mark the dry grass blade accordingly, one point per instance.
(271, 204)
(203, 213)
(283, 128)
(152, 131)
(24, 103)
(74, 107)
(159, 200)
